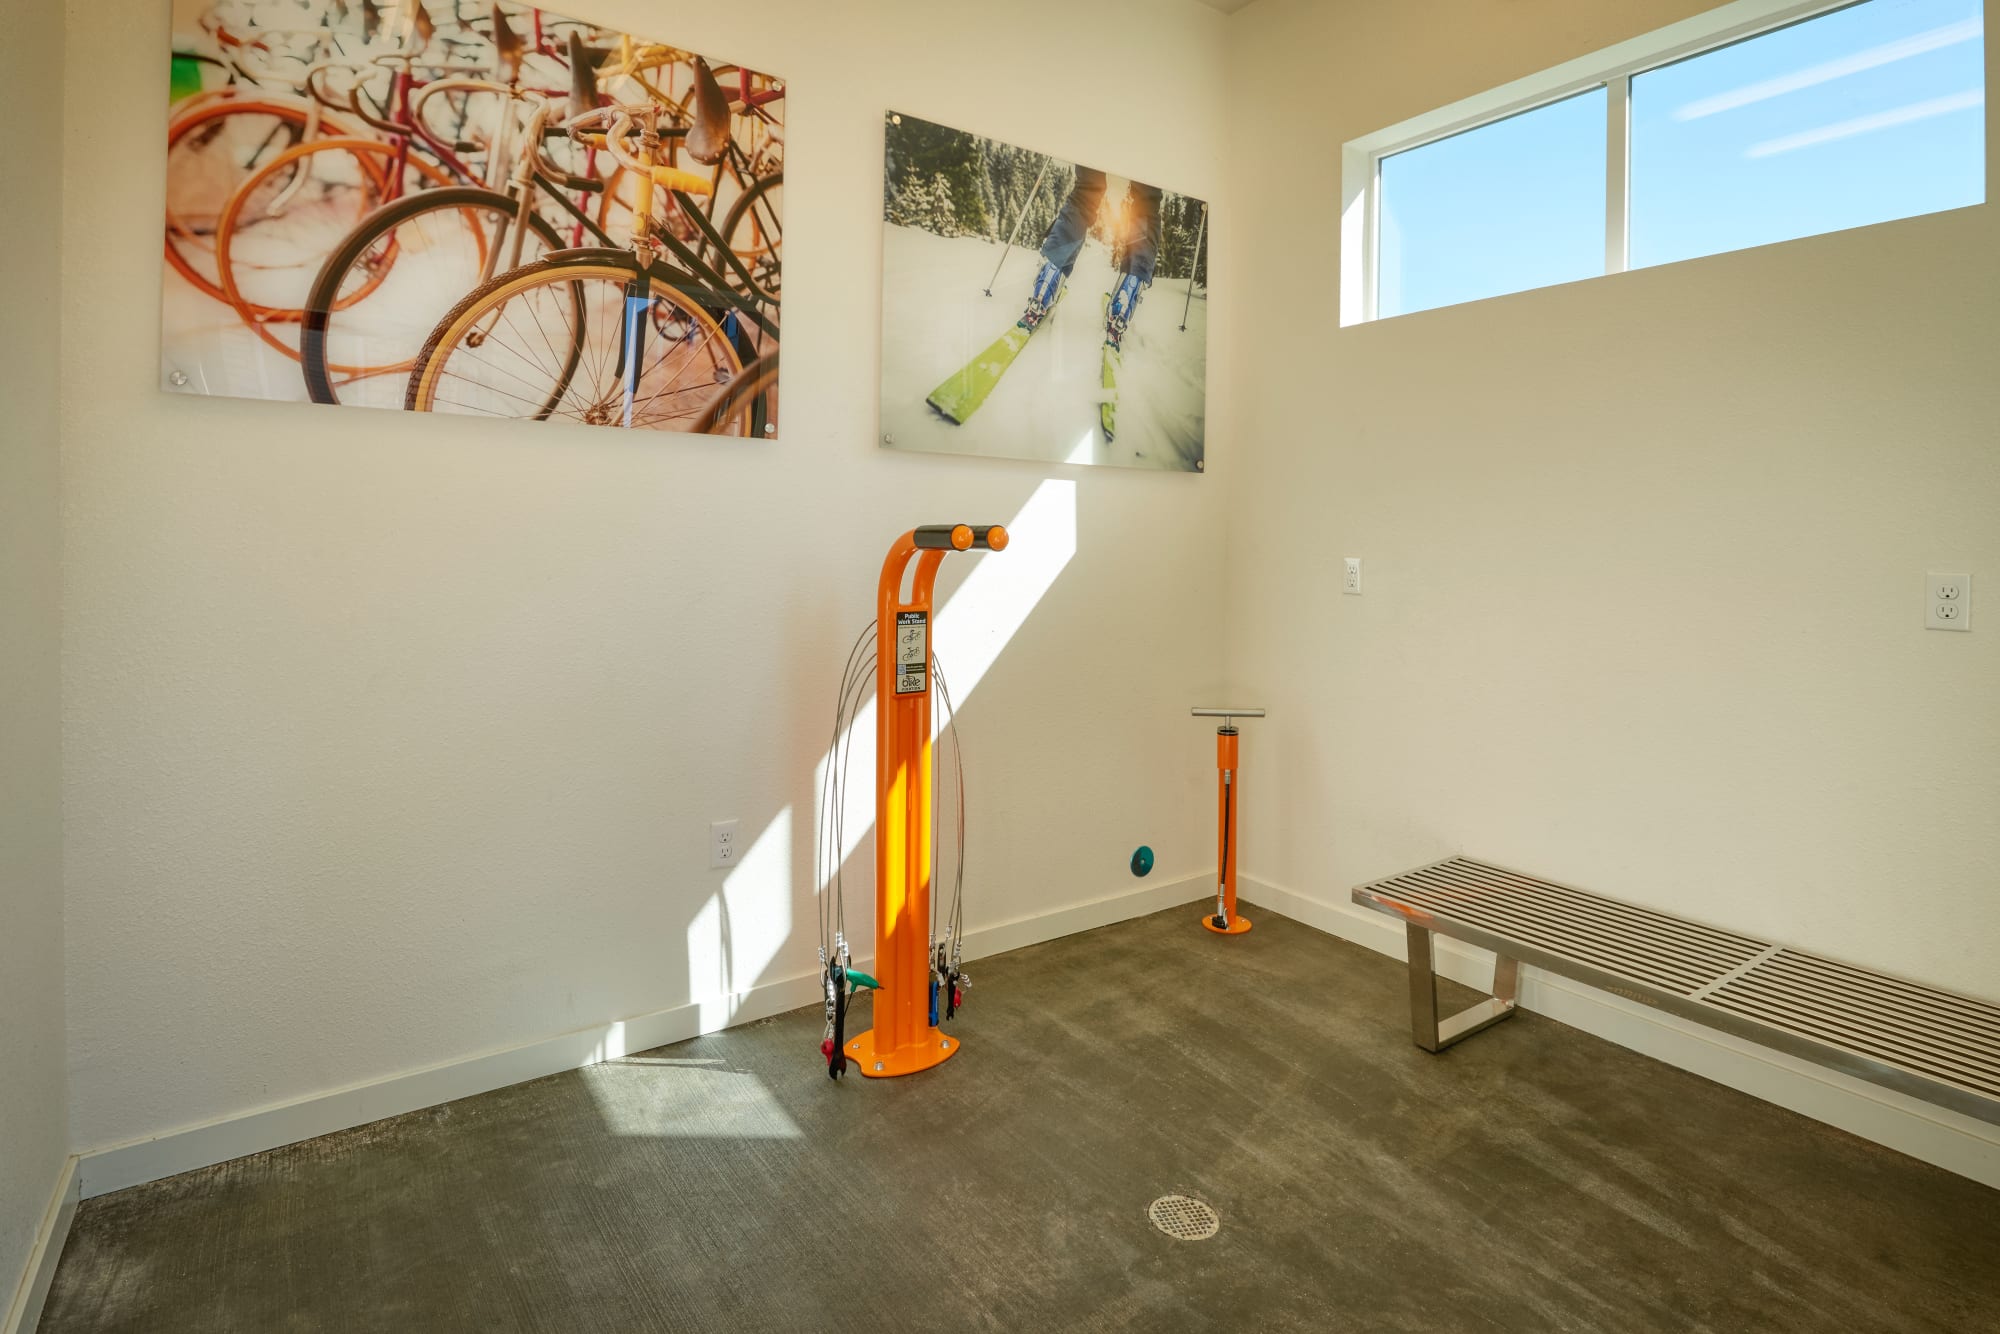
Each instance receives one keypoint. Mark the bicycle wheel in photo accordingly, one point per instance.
(755, 232)
(294, 211)
(747, 405)
(382, 291)
(551, 341)
(212, 149)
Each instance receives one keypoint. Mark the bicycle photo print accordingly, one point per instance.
(484, 209)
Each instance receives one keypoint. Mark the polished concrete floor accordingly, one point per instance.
(1532, 1179)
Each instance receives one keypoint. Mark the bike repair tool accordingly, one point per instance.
(1224, 921)
(917, 967)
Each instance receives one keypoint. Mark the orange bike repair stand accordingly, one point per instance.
(1224, 921)
(904, 1040)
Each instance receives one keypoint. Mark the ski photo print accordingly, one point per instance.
(1034, 308)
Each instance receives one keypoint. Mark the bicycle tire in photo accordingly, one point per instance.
(365, 319)
(374, 206)
(590, 337)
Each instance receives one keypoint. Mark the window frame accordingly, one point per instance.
(1612, 69)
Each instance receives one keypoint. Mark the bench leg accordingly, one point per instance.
(1429, 1033)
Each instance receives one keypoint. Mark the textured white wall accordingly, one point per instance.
(393, 741)
(1644, 555)
(33, 1138)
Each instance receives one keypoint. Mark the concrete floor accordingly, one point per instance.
(1533, 1179)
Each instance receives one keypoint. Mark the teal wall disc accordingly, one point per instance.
(1142, 861)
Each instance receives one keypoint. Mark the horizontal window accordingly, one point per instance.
(1515, 204)
(1759, 122)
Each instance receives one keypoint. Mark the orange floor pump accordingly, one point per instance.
(918, 971)
(1225, 920)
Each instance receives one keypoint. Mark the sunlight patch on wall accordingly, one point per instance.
(743, 926)
(994, 602)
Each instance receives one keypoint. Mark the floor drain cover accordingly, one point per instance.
(1184, 1219)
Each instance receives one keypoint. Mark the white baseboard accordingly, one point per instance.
(982, 942)
(118, 1166)
(1908, 1125)
(24, 1313)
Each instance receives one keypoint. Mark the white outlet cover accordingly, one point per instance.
(722, 849)
(1947, 601)
(1351, 576)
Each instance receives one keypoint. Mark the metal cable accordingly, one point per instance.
(830, 844)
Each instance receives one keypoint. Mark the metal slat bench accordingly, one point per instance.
(1930, 1044)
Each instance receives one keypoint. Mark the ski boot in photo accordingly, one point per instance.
(1119, 309)
(1048, 290)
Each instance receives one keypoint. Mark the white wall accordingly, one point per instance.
(393, 741)
(34, 1140)
(1644, 554)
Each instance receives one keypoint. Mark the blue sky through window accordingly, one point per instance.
(1865, 114)
(1515, 204)
(1862, 115)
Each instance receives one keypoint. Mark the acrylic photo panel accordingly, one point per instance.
(1035, 308)
(364, 201)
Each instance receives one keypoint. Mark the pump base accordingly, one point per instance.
(1237, 925)
(935, 1050)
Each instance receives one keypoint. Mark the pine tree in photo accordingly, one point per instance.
(989, 197)
(932, 181)
(1183, 240)
(902, 202)
(939, 213)
(1017, 208)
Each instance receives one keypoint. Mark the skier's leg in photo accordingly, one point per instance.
(1064, 243)
(1140, 247)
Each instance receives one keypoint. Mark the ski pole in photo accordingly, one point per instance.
(1019, 218)
(1194, 264)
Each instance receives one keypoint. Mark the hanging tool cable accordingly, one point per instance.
(837, 973)
(947, 982)
(835, 957)
(862, 668)
(951, 979)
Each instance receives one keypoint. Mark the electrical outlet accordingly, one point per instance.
(1947, 601)
(722, 843)
(1351, 576)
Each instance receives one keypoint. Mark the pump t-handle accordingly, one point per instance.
(1228, 716)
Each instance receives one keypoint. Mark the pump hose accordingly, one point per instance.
(1228, 827)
